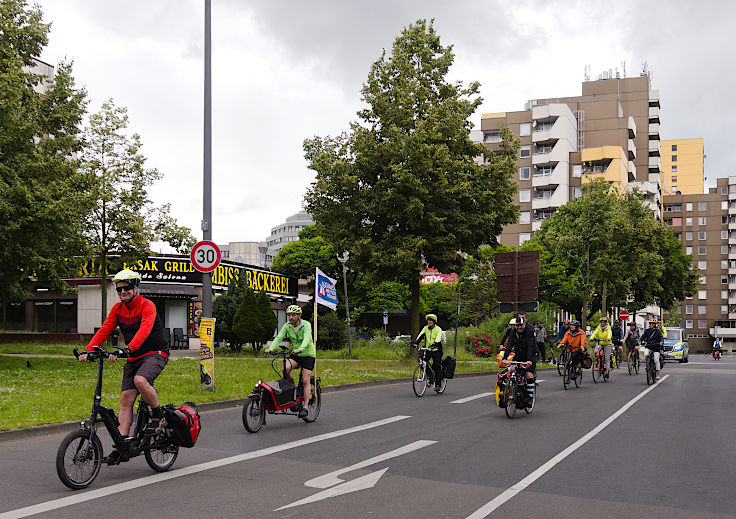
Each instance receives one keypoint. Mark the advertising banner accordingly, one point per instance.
(207, 353)
(325, 292)
(433, 276)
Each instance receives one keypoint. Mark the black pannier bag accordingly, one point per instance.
(183, 424)
(448, 367)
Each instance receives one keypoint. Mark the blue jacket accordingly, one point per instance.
(653, 339)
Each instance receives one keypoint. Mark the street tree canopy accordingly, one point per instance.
(42, 192)
(402, 190)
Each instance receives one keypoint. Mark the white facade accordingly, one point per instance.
(282, 234)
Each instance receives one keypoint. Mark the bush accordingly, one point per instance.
(331, 334)
(483, 345)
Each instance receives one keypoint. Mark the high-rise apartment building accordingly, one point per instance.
(282, 234)
(683, 166)
(706, 225)
(611, 130)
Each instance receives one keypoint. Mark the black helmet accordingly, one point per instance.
(575, 323)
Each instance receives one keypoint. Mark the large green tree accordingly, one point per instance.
(300, 258)
(123, 221)
(42, 192)
(402, 189)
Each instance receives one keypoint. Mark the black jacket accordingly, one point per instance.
(653, 338)
(522, 344)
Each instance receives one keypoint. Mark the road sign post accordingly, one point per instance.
(517, 275)
(623, 315)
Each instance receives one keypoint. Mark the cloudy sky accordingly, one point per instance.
(287, 70)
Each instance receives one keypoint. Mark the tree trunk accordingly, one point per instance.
(103, 285)
(584, 316)
(414, 285)
(603, 298)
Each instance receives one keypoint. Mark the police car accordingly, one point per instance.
(675, 345)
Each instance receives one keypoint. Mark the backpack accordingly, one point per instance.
(501, 386)
(448, 367)
(183, 424)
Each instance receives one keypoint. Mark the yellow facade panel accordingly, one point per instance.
(496, 115)
(682, 166)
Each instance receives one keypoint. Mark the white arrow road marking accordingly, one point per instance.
(332, 478)
(361, 483)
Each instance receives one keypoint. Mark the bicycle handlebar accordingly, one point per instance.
(98, 352)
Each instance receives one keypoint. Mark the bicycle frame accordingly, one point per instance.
(424, 362)
(271, 404)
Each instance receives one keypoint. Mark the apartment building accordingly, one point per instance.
(282, 234)
(683, 166)
(611, 130)
(706, 225)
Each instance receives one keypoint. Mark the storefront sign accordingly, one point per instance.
(432, 276)
(181, 270)
(207, 353)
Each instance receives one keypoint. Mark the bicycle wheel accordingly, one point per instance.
(78, 460)
(161, 457)
(650, 372)
(630, 363)
(254, 416)
(315, 404)
(636, 363)
(578, 376)
(419, 381)
(566, 375)
(561, 360)
(597, 369)
(509, 397)
(443, 386)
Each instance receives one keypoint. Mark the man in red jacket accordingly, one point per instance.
(148, 353)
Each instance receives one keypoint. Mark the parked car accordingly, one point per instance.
(675, 345)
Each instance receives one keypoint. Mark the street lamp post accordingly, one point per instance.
(344, 259)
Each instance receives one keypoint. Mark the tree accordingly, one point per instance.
(42, 192)
(245, 322)
(123, 220)
(224, 308)
(402, 190)
(300, 258)
(267, 320)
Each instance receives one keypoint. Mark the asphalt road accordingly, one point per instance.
(615, 449)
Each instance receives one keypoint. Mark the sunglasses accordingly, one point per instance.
(127, 288)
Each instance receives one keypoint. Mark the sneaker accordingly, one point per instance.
(115, 456)
(303, 413)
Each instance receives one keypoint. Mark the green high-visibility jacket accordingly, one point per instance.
(301, 339)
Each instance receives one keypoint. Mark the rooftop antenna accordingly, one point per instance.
(644, 69)
(585, 74)
(623, 67)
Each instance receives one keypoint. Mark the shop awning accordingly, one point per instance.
(168, 290)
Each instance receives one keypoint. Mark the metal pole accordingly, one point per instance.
(457, 319)
(347, 308)
(207, 187)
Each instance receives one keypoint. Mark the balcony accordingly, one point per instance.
(632, 149)
(654, 98)
(654, 131)
(653, 114)
(732, 226)
(731, 196)
(655, 164)
(558, 153)
(558, 175)
(632, 128)
(732, 285)
(731, 240)
(732, 271)
(655, 149)
(724, 332)
(732, 300)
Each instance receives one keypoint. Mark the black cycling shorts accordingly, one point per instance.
(304, 362)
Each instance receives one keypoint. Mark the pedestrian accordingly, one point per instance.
(540, 334)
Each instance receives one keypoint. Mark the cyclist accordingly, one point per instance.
(510, 329)
(564, 327)
(524, 346)
(433, 339)
(304, 353)
(575, 338)
(717, 347)
(540, 334)
(653, 339)
(617, 337)
(603, 334)
(147, 348)
(632, 339)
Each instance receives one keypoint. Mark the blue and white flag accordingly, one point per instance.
(325, 292)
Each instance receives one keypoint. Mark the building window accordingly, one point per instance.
(525, 195)
(724, 294)
(724, 248)
(674, 170)
(675, 191)
(724, 235)
(674, 147)
(702, 206)
(674, 178)
(492, 136)
(524, 236)
(702, 309)
(724, 280)
(724, 264)
(702, 280)
(702, 294)
(724, 309)
(724, 190)
(525, 129)
(577, 170)
(701, 220)
(677, 221)
(701, 250)
(688, 251)
(702, 324)
(524, 173)
(688, 221)
(524, 217)
(674, 158)
(689, 206)
(525, 152)
(701, 235)
(688, 236)
(724, 206)
(688, 323)
(724, 219)
(577, 192)
(688, 309)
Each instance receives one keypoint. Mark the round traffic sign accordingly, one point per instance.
(205, 256)
(623, 315)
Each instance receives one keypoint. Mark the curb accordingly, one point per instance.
(44, 430)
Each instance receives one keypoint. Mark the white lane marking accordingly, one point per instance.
(469, 398)
(332, 478)
(186, 471)
(488, 508)
(361, 483)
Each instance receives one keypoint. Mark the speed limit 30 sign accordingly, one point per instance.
(205, 256)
